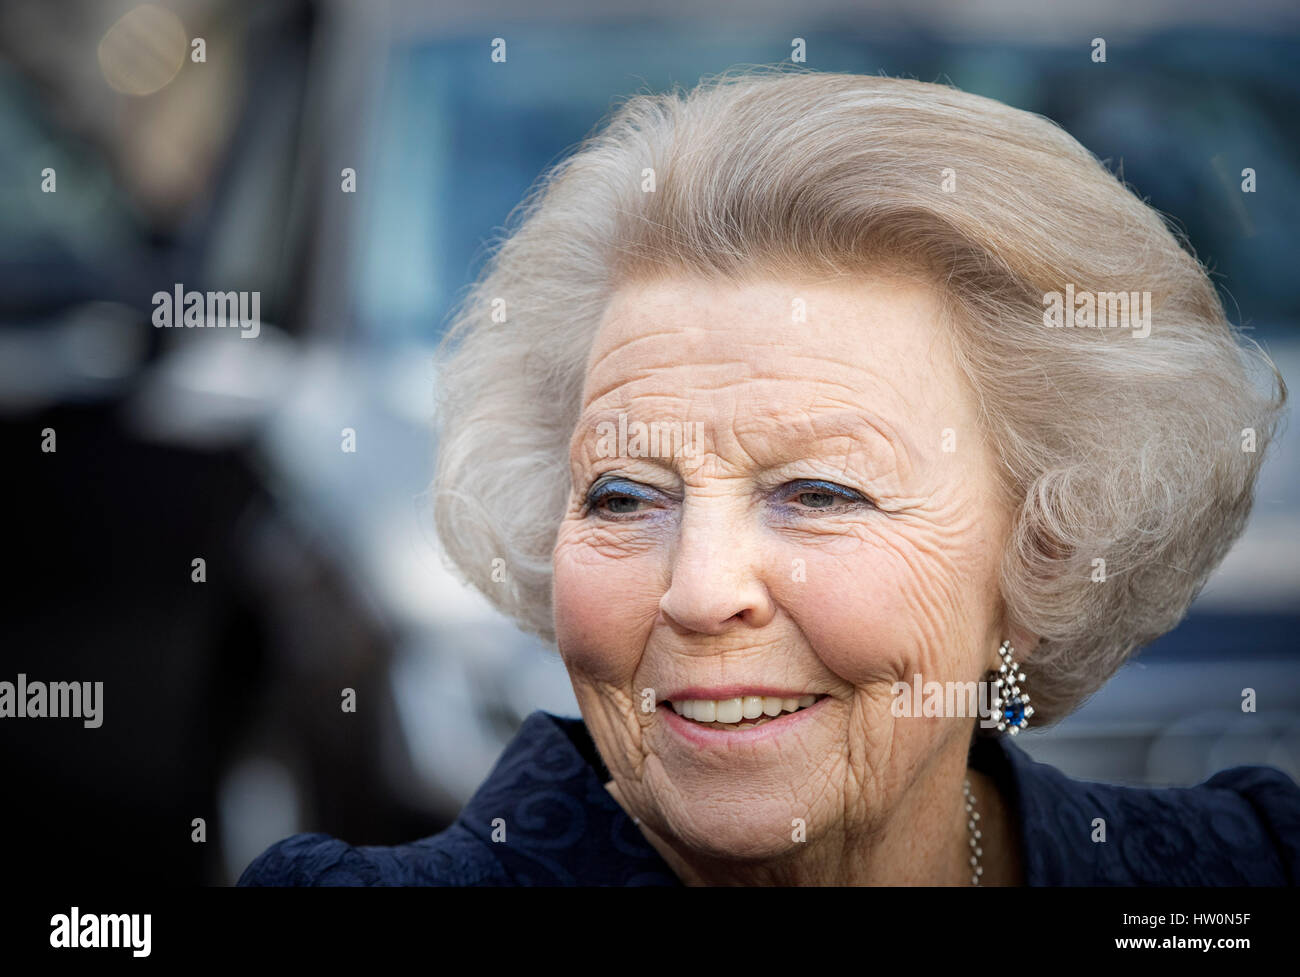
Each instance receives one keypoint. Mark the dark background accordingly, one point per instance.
(222, 698)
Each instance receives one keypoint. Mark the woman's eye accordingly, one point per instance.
(816, 500)
(619, 498)
(823, 495)
(620, 503)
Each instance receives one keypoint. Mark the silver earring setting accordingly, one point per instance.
(1011, 708)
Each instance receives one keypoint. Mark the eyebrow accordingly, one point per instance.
(849, 423)
(839, 422)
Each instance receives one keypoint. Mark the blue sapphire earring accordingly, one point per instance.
(1011, 708)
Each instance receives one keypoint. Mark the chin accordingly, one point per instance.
(740, 830)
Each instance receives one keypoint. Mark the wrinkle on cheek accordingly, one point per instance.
(873, 743)
(939, 599)
(930, 592)
(897, 603)
(604, 611)
(834, 537)
(617, 725)
(611, 546)
(885, 759)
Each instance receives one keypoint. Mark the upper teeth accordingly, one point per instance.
(734, 710)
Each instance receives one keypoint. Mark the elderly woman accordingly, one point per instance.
(789, 406)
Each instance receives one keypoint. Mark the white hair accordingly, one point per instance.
(1113, 447)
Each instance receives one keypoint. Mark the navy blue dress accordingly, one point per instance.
(1240, 827)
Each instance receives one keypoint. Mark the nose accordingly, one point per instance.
(716, 582)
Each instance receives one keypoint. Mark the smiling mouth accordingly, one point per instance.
(745, 712)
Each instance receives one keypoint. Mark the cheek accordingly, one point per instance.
(889, 608)
(605, 605)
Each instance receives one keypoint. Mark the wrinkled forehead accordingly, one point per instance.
(776, 347)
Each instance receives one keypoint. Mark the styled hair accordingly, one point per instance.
(1117, 446)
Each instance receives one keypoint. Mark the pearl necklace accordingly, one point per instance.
(972, 816)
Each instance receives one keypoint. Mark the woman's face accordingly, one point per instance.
(825, 526)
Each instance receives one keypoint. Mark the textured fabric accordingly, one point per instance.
(1241, 827)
